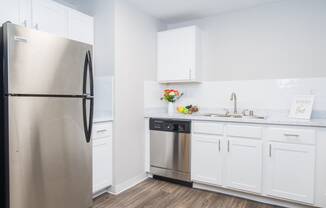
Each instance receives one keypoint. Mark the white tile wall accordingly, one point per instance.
(272, 94)
(103, 96)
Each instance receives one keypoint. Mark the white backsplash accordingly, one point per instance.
(103, 96)
(272, 95)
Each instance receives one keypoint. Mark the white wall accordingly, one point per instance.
(286, 39)
(103, 97)
(135, 62)
(125, 47)
(103, 12)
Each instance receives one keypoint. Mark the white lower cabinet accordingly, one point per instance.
(290, 171)
(243, 164)
(206, 159)
(279, 162)
(102, 156)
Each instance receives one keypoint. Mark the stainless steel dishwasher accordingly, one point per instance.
(170, 145)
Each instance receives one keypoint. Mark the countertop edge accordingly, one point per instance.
(315, 124)
(101, 120)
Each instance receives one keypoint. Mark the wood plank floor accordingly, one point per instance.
(158, 194)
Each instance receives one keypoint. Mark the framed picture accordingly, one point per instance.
(302, 107)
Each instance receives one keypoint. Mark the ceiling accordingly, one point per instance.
(172, 11)
(81, 5)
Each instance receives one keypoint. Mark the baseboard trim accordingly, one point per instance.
(262, 199)
(119, 188)
(100, 192)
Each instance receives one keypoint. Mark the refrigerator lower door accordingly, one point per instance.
(50, 160)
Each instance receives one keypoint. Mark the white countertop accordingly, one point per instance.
(98, 118)
(102, 119)
(269, 120)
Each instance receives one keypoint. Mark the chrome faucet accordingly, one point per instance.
(234, 99)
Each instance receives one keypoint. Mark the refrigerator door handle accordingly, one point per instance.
(91, 78)
(91, 96)
(88, 127)
(88, 70)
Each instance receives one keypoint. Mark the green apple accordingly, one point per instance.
(185, 110)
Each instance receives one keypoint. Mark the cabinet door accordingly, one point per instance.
(290, 171)
(51, 17)
(80, 27)
(206, 160)
(177, 54)
(244, 164)
(102, 164)
(15, 11)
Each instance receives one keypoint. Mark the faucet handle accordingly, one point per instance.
(227, 112)
(245, 112)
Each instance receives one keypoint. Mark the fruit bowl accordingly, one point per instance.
(189, 109)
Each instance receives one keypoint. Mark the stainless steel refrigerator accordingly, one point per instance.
(46, 120)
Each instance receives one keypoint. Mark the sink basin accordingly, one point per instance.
(231, 116)
(254, 117)
(214, 115)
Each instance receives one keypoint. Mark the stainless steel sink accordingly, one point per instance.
(214, 115)
(231, 116)
(254, 117)
(246, 113)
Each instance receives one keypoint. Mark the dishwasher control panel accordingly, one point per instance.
(170, 125)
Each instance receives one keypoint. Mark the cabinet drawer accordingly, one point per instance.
(101, 141)
(206, 139)
(208, 128)
(101, 130)
(244, 131)
(292, 135)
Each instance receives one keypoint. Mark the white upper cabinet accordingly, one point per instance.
(10, 11)
(49, 16)
(80, 27)
(244, 164)
(178, 55)
(291, 171)
(15, 11)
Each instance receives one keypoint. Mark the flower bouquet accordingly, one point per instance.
(171, 96)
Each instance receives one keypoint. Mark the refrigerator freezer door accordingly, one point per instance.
(40, 63)
(50, 159)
